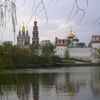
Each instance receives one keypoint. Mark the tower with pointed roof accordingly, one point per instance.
(35, 38)
(23, 38)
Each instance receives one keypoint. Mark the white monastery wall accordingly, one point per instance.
(96, 45)
(60, 51)
(79, 53)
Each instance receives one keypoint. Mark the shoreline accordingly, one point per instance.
(38, 66)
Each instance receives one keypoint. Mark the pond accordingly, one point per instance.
(73, 83)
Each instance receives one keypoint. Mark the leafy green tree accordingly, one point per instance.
(56, 60)
(34, 50)
(19, 56)
(67, 56)
(7, 45)
(5, 61)
(95, 53)
(1, 50)
(48, 49)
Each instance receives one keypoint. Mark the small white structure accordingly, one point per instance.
(95, 45)
(96, 41)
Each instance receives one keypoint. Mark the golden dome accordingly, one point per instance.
(71, 35)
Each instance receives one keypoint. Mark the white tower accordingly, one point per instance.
(96, 41)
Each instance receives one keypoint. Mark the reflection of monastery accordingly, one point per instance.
(71, 43)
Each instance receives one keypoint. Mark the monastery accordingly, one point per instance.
(71, 43)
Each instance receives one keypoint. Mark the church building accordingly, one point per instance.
(23, 38)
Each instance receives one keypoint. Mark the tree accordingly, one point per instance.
(67, 56)
(34, 50)
(55, 60)
(48, 49)
(90, 44)
(7, 45)
(95, 53)
(8, 7)
(19, 56)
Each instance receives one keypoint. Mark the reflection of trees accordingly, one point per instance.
(48, 79)
(21, 85)
(95, 84)
(35, 87)
(66, 86)
(23, 91)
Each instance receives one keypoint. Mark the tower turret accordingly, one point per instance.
(19, 32)
(35, 39)
(26, 32)
(23, 30)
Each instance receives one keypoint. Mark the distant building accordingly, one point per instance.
(23, 38)
(43, 42)
(96, 41)
(71, 41)
(35, 38)
(62, 44)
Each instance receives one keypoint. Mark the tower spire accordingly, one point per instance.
(71, 29)
(19, 31)
(26, 31)
(23, 30)
(35, 39)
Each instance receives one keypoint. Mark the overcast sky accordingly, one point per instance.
(60, 19)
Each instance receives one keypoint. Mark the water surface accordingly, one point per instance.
(74, 83)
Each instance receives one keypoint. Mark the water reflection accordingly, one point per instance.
(72, 84)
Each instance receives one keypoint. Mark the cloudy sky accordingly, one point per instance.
(61, 14)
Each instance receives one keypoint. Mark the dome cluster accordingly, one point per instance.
(23, 31)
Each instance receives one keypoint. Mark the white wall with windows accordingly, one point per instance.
(60, 51)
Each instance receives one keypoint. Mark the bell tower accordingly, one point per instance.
(35, 39)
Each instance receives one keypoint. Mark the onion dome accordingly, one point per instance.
(71, 35)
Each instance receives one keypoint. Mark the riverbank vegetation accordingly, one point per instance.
(12, 56)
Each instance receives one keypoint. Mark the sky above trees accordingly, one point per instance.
(56, 17)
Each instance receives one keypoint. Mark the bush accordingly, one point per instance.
(56, 60)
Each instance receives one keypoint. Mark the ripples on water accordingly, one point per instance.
(73, 83)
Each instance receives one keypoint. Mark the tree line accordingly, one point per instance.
(13, 56)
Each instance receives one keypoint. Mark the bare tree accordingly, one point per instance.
(8, 7)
